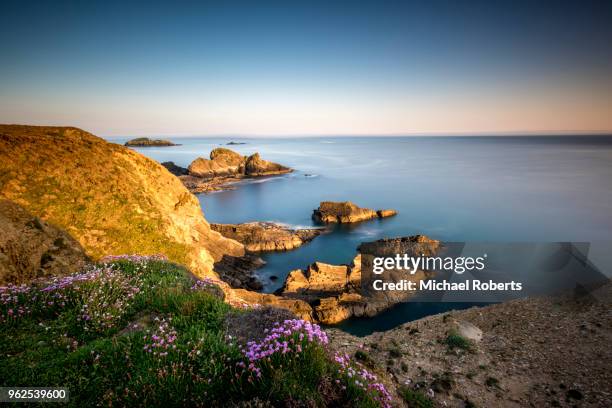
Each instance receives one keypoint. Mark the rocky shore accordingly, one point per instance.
(545, 351)
(146, 142)
(334, 291)
(267, 236)
(347, 212)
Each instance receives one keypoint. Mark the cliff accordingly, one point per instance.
(111, 199)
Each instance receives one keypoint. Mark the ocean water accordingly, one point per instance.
(492, 189)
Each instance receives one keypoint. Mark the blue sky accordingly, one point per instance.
(307, 68)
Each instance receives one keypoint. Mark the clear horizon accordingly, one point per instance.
(207, 69)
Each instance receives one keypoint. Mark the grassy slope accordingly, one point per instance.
(110, 198)
(93, 335)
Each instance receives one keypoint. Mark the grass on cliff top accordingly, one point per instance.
(142, 332)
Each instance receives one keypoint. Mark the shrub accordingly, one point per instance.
(455, 340)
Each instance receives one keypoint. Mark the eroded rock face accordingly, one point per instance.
(318, 278)
(31, 248)
(227, 163)
(346, 212)
(111, 199)
(266, 236)
(146, 142)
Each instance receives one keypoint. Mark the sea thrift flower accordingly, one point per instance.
(161, 340)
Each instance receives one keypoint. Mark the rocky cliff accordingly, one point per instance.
(111, 199)
(31, 248)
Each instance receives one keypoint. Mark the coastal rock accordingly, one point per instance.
(174, 169)
(111, 199)
(335, 291)
(256, 166)
(298, 307)
(205, 185)
(346, 212)
(222, 163)
(266, 236)
(146, 142)
(31, 248)
(385, 213)
(227, 163)
(317, 278)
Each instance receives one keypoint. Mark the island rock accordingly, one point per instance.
(146, 142)
(227, 163)
(346, 212)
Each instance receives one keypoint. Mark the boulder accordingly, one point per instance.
(266, 236)
(346, 212)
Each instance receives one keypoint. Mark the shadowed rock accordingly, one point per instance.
(174, 169)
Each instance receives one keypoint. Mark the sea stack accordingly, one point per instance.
(347, 212)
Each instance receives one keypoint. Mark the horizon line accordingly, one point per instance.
(385, 135)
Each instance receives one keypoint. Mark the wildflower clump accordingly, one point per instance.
(161, 340)
(355, 374)
(139, 331)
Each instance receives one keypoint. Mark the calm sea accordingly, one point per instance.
(449, 188)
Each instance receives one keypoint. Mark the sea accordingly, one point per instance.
(454, 189)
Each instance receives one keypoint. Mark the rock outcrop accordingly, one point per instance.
(146, 142)
(31, 248)
(111, 199)
(227, 163)
(175, 169)
(335, 292)
(225, 167)
(256, 166)
(266, 236)
(346, 212)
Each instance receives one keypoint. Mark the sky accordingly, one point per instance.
(287, 68)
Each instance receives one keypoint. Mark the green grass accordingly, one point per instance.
(104, 359)
(415, 399)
